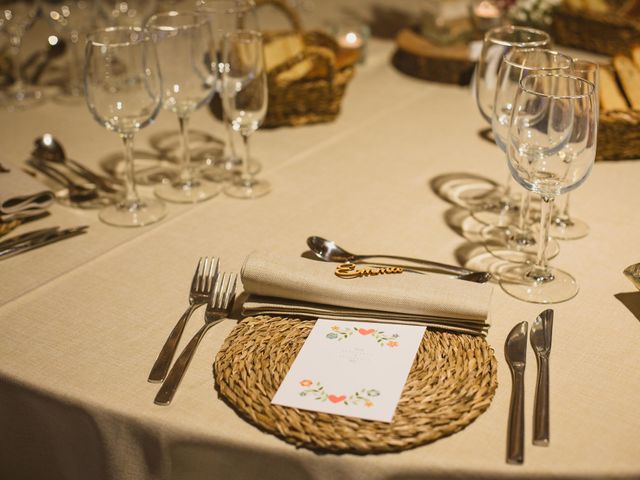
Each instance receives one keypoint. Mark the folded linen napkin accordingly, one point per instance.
(21, 196)
(280, 285)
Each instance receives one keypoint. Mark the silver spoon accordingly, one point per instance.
(328, 251)
(77, 193)
(49, 149)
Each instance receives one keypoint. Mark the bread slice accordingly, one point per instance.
(635, 55)
(611, 97)
(629, 76)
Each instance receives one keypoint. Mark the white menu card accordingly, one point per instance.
(355, 369)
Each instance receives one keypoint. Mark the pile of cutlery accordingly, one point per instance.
(515, 350)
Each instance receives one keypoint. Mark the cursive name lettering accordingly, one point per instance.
(349, 270)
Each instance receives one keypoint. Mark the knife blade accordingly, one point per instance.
(42, 241)
(540, 338)
(515, 351)
(9, 242)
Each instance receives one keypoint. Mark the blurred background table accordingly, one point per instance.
(83, 320)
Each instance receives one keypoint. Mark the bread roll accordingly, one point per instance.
(629, 76)
(611, 97)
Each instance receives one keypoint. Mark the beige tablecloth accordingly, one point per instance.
(81, 321)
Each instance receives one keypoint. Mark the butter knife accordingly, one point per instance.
(515, 351)
(10, 242)
(541, 330)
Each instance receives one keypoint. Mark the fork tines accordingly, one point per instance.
(223, 291)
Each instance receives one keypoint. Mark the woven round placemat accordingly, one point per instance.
(451, 382)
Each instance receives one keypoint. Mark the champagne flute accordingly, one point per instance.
(244, 98)
(517, 241)
(551, 150)
(226, 16)
(496, 206)
(184, 46)
(123, 92)
(563, 225)
(16, 17)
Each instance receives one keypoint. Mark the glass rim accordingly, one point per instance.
(535, 76)
(92, 36)
(240, 7)
(489, 36)
(199, 22)
(241, 33)
(506, 59)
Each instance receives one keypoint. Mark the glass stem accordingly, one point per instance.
(541, 269)
(16, 45)
(507, 189)
(525, 204)
(131, 194)
(564, 216)
(247, 178)
(186, 174)
(233, 155)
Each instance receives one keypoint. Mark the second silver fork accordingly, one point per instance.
(219, 306)
(201, 286)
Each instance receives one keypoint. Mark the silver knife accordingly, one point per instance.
(541, 330)
(515, 351)
(10, 242)
(41, 241)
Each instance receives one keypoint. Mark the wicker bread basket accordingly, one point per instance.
(608, 33)
(315, 96)
(619, 136)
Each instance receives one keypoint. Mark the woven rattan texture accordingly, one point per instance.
(452, 381)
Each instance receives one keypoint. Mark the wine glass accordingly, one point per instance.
(517, 241)
(226, 16)
(16, 17)
(184, 46)
(73, 19)
(126, 13)
(551, 150)
(496, 206)
(563, 225)
(123, 92)
(244, 99)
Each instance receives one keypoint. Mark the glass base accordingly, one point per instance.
(229, 164)
(22, 98)
(133, 214)
(246, 190)
(568, 229)
(515, 246)
(187, 192)
(525, 283)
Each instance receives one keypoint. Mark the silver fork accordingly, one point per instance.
(219, 306)
(201, 286)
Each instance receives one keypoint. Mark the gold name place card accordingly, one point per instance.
(349, 270)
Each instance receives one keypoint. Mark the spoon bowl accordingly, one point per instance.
(47, 148)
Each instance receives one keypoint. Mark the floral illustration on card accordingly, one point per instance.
(379, 336)
(317, 391)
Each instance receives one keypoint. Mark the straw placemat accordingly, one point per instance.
(451, 382)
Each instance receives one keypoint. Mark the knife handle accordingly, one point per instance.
(541, 404)
(515, 432)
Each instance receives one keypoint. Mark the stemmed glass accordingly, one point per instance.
(16, 17)
(226, 16)
(123, 92)
(496, 206)
(551, 149)
(73, 19)
(517, 241)
(563, 225)
(184, 46)
(244, 99)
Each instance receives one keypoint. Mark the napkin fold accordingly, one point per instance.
(279, 285)
(21, 196)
